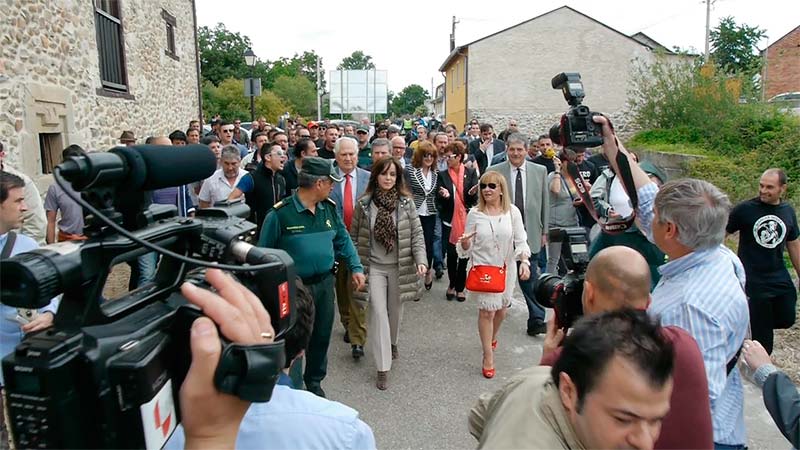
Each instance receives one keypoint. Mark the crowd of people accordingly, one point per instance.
(374, 214)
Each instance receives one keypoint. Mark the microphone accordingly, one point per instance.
(140, 168)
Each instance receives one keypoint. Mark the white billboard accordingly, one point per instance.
(358, 91)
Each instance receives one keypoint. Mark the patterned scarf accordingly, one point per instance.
(385, 228)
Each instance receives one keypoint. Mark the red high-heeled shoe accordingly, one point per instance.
(494, 344)
(488, 373)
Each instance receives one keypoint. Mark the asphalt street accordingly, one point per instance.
(438, 377)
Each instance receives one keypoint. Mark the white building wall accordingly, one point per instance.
(509, 74)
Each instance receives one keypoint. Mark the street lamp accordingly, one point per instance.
(250, 60)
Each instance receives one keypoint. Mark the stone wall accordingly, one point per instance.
(535, 124)
(50, 77)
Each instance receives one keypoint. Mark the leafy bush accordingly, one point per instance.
(687, 108)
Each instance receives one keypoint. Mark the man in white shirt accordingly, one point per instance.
(399, 150)
(218, 186)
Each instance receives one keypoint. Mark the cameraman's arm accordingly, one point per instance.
(645, 188)
(242, 319)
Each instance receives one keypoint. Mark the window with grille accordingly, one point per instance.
(110, 45)
(171, 25)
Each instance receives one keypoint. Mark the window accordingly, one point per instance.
(452, 80)
(458, 72)
(171, 25)
(110, 45)
(50, 146)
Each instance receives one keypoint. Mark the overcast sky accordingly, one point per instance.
(411, 39)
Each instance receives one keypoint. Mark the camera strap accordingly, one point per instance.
(626, 178)
(11, 238)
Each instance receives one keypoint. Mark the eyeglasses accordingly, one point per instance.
(452, 156)
(428, 155)
(228, 130)
(491, 186)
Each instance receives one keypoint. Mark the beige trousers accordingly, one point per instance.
(385, 313)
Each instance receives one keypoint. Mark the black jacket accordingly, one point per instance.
(269, 188)
(480, 157)
(445, 205)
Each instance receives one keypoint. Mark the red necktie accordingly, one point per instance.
(348, 201)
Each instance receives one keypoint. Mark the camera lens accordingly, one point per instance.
(547, 287)
(29, 281)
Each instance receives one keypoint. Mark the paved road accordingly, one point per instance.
(438, 377)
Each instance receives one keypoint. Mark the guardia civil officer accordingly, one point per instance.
(307, 227)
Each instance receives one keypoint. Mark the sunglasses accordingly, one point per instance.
(491, 186)
(428, 155)
(452, 156)
(228, 130)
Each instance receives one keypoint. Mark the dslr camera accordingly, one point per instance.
(576, 126)
(563, 294)
(108, 373)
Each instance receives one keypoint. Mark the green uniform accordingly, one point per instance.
(365, 157)
(314, 241)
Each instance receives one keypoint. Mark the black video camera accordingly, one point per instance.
(564, 294)
(108, 373)
(576, 127)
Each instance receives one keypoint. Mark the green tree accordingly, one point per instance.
(357, 61)
(733, 47)
(228, 101)
(407, 100)
(222, 55)
(298, 92)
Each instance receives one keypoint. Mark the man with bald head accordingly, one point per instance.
(618, 277)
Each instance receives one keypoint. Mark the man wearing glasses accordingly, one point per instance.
(399, 150)
(240, 136)
(265, 186)
(226, 131)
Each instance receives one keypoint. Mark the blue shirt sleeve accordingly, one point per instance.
(645, 211)
(246, 184)
(363, 438)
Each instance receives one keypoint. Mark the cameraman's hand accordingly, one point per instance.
(552, 338)
(41, 322)
(242, 319)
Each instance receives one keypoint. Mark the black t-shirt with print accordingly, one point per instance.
(763, 232)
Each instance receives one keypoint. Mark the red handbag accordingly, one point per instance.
(487, 279)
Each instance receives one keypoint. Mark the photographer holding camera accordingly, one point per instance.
(616, 278)
(702, 286)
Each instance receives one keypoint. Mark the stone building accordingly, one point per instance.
(82, 72)
(507, 75)
(783, 65)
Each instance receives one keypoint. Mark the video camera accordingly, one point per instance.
(108, 373)
(564, 294)
(576, 126)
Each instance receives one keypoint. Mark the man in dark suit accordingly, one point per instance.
(527, 184)
(344, 194)
(485, 149)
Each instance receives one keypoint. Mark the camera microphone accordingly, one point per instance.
(141, 167)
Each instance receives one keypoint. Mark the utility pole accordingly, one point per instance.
(708, 26)
(319, 94)
(453, 34)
